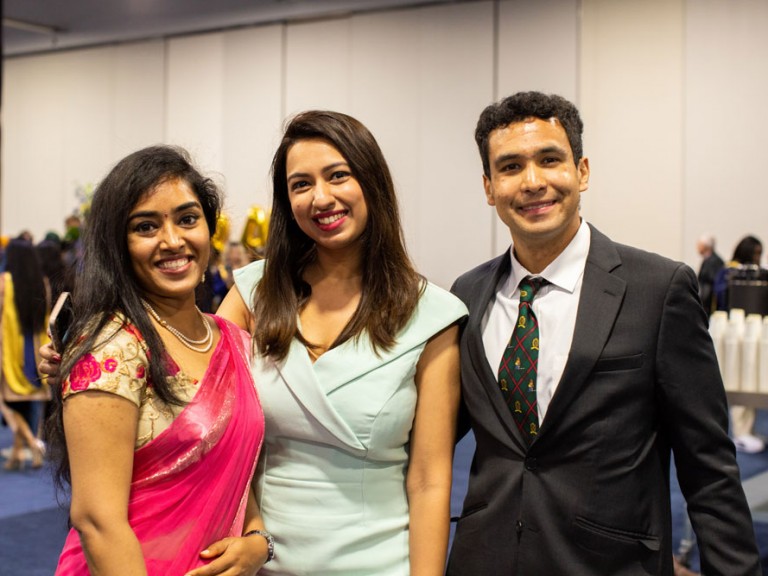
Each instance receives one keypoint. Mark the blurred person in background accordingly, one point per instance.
(71, 249)
(748, 252)
(25, 305)
(710, 266)
(236, 256)
(212, 290)
(26, 235)
(56, 278)
(52, 262)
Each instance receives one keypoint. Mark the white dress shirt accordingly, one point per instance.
(555, 307)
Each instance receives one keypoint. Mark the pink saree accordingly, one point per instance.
(190, 484)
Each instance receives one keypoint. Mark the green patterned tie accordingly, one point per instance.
(519, 363)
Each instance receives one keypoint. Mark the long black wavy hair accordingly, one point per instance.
(105, 282)
(29, 293)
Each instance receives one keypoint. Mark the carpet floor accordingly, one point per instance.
(33, 526)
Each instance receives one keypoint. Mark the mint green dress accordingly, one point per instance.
(331, 478)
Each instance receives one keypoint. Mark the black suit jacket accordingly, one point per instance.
(591, 495)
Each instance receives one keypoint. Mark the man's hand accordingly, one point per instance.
(681, 570)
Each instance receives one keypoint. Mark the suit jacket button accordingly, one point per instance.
(531, 464)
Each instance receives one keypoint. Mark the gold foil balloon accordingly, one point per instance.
(220, 238)
(256, 229)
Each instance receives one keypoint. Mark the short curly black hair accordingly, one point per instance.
(522, 105)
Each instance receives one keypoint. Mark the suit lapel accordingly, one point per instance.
(485, 289)
(602, 293)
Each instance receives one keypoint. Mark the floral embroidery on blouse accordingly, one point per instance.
(87, 370)
(119, 365)
(109, 365)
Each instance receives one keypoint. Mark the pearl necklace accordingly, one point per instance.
(194, 345)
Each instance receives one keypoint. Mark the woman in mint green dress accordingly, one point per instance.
(356, 362)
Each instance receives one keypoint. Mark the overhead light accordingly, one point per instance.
(30, 27)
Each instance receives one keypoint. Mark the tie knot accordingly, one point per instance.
(529, 286)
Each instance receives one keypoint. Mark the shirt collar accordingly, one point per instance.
(563, 272)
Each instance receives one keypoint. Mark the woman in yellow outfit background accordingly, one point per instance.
(25, 305)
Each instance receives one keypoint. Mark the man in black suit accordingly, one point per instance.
(626, 375)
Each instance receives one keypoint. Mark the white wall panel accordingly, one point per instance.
(420, 91)
(138, 97)
(386, 93)
(68, 118)
(726, 123)
(87, 105)
(669, 91)
(632, 106)
(538, 49)
(317, 66)
(417, 78)
(194, 106)
(224, 106)
(251, 117)
(32, 149)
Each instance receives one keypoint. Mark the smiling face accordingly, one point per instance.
(168, 241)
(535, 184)
(326, 199)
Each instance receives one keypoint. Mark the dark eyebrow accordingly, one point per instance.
(551, 150)
(541, 152)
(155, 214)
(334, 165)
(504, 158)
(296, 175)
(324, 169)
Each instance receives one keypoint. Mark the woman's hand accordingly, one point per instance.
(50, 364)
(242, 556)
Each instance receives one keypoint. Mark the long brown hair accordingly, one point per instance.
(391, 285)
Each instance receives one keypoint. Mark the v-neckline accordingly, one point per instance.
(313, 359)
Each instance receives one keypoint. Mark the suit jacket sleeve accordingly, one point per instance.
(695, 422)
(463, 424)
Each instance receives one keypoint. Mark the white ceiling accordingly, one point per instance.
(32, 26)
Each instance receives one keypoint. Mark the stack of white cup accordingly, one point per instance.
(741, 345)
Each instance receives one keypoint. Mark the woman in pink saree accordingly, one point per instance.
(163, 424)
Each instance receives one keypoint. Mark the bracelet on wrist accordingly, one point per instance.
(270, 542)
